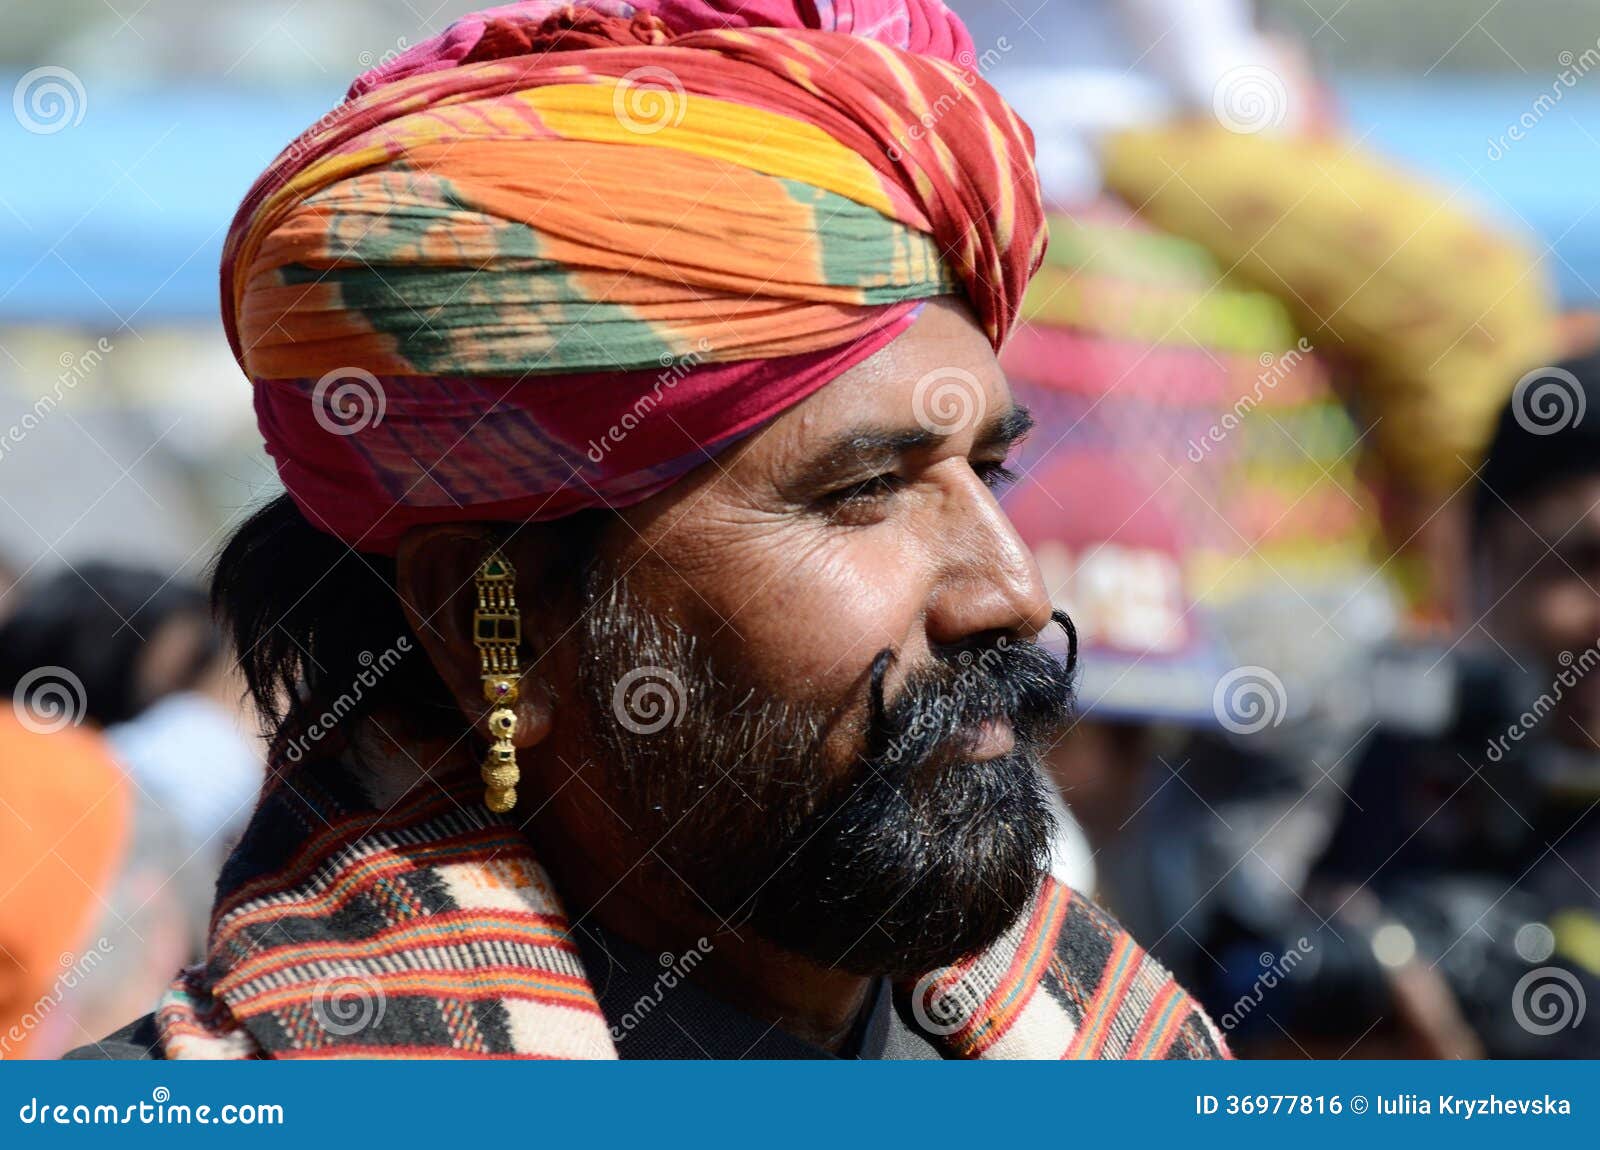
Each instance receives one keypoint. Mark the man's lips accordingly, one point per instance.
(988, 740)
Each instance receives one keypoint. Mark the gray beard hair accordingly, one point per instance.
(731, 787)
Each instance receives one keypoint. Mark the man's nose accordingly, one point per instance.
(989, 582)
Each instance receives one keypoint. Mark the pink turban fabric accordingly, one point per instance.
(559, 255)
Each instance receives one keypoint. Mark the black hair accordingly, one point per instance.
(321, 635)
(1548, 433)
(94, 620)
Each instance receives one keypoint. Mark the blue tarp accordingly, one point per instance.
(120, 218)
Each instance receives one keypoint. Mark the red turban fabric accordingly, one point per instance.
(559, 255)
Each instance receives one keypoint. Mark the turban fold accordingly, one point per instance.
(559, 255)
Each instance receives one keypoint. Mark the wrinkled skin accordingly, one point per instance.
(832, 775)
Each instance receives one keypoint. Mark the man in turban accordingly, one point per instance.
(630, 370)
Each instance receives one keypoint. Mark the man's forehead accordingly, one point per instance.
(1563, 519)
(940, 376)
(1566, 508)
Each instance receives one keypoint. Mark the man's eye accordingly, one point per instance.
(866, 491)
(995, 476)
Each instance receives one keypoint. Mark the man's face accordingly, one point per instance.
(1543, 585)
(810, 691)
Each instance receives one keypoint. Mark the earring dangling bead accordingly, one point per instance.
(497, 633)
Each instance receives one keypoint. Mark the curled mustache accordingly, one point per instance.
(1018, 681)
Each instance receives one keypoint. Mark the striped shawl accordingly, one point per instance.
(364, 919)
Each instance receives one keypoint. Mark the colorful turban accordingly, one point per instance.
(560, 254)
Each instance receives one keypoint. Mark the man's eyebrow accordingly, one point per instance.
(1005, 429)
(868, 448)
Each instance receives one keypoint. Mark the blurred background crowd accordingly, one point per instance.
(1316, 475)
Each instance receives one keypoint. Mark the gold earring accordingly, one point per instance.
(497, 633)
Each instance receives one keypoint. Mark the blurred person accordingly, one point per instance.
(1537, 537)
(135, 652)
(94, 909)
(9, 576)
(762, 609)
(1427, 306)
(64, 823)
(129, 635)
(1471, 824)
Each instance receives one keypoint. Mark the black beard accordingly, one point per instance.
(915, 857)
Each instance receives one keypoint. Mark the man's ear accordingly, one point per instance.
(435, 570)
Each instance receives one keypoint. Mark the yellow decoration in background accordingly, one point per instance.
(1441, 313)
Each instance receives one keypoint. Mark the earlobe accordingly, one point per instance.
(459, 595)
(433, 569)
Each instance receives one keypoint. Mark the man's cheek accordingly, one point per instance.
(826, 615)
(1566, 618)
